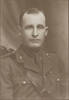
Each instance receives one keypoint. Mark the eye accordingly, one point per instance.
(40, 27)
(29, 27)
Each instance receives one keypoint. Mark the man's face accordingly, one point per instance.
(34, 30)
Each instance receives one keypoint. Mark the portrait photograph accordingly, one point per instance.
(34, 50)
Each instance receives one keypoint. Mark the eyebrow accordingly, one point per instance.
(41, 25)
(37, 25)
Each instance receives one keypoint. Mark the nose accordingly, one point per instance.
(35, 32)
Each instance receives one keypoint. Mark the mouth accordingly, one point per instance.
(35, 40)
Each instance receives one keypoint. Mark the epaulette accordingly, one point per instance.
(8, 52)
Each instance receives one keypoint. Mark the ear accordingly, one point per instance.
(46, 31)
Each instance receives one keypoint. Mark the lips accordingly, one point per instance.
(35, 40)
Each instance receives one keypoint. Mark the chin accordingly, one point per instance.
(35, 46)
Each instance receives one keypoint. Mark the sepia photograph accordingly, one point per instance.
(34, 50)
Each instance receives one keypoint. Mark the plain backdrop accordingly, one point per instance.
(57, 21)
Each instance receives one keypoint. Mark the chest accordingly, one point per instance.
(29, 83)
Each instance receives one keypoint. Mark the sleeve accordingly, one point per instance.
(55, 77)
(59, 76)
(62, 81)
(6, 88)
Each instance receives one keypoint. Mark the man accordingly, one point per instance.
(30, 73)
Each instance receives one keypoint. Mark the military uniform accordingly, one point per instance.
(5, 51)
(25, 76)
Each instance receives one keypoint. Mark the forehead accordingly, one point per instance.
(38, 18)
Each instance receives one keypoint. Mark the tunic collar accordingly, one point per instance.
(31, 60)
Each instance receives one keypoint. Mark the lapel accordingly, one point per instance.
(33, 62)
(45, 62)
(46, 65)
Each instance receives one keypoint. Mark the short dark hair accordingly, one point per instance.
(29, 11)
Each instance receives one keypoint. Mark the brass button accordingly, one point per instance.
(58, 79)
(20, 57)
(46, 54)
(23, 82)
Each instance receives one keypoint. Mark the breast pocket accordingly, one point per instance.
(23, 88)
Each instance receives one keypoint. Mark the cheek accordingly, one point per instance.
(42, 35)
(25, 35)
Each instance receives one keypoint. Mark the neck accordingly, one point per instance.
(30, 51)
